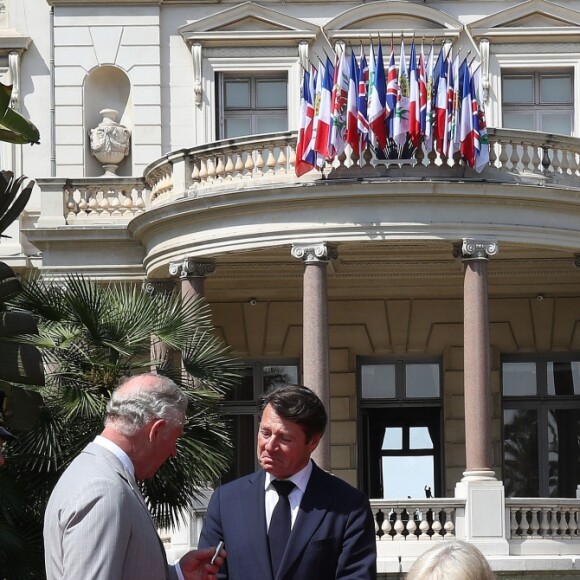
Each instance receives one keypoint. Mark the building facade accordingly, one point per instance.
(435, 308)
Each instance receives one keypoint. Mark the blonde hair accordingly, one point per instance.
(454, 560)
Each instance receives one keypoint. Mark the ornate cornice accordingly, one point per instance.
(190, 267)
(472, 249)
(321, 252)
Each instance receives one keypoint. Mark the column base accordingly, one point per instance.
(483, 522)
(479, 475)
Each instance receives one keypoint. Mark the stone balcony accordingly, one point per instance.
(243, 194)
(516, 157)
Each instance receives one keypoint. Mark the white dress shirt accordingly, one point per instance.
(300, 480)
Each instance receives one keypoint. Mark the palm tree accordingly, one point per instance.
(91, 335)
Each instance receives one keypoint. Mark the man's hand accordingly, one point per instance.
(195, 565)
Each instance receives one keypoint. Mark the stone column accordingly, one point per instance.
(483, 519)
(159, 350)
(476, 365)
(315, 351)
(192, 274)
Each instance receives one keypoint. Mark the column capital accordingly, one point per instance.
(475, 249)
(190, 267)
(318, 252)
(160, 286)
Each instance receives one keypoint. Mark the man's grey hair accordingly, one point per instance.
(451, 560)
(142, 398)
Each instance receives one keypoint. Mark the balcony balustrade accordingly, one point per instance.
(516, 157)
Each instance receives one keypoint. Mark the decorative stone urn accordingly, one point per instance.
(110, 142)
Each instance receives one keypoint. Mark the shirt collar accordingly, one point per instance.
(118, 452)
(299, 479)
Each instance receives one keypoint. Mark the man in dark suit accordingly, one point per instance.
(331, 532)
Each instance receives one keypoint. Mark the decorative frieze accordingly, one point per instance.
(190, 267)
(321, 252)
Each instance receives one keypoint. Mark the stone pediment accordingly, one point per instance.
(531, 19)
(246, 24)
(385, 18)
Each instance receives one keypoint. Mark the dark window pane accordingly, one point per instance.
(563, 451)
(519, 379)
(244, 447)
(244, 390)
(422, 380)
(274, 376)
(564, 378)
(520, 451)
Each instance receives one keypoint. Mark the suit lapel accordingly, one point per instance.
(254, 510)
(313, 508)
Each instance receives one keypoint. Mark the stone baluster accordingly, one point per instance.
(282, 161)
(573, 523)
(71, 206)
(270, 161)
(195, 173)
(563, 528)
(424, 529)
(239, 165)
(525, 158)
(399, 529)
(544, 530)
(203, 170)
(556, 162)
(220, 170)
(492, 153)
(514, 521)
(83, 204)
(249, 165)
(526, 523)
(436, 526)
(514, 155)
(534, 524)
(503, 156)
(536, 159)
(211, 171)
(449, 528)
(292, 157)
(411, 529)
(259, 162)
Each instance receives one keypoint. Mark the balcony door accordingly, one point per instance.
(401, 439)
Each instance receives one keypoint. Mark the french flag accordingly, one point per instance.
(352, 133)
(304, 154)
(322, 140)
(377, 112)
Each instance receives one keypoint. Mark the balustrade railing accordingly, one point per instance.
(415, 519)
(269, 161)
(552, 519)
(104, 200)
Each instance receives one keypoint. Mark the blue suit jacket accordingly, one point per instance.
(333, 536)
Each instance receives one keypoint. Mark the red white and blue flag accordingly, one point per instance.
(377, 112)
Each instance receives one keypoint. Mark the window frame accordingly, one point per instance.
(369, 406)
(536, 107)
(542, 402)
(252, 111)
(213, 64)
(506, 62)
